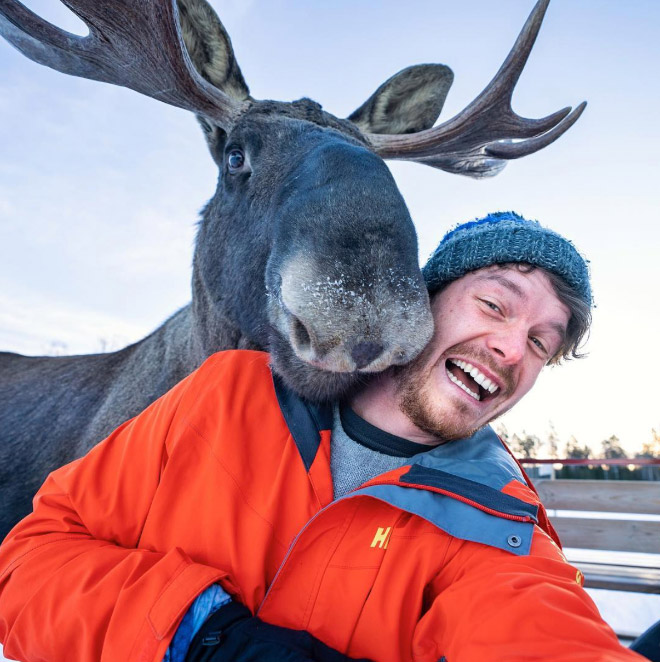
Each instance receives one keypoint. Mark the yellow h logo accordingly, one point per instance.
(382, 537)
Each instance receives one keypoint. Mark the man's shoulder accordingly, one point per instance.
(232, 375)
(231, 395)
(238, 363)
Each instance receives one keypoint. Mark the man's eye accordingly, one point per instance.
(538, 343)
(492, 306)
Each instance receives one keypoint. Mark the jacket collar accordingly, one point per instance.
(475, 469)
(304, 419)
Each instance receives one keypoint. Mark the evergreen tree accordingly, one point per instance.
(526, 446)
(552, 442)
(651, 449)
(574, 450)
(612, 448)
(503, 433)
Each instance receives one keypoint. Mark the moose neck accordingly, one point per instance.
(210, 329)
(220, 269)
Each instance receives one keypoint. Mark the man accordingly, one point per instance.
(232, 520)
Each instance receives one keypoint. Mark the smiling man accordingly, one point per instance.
(496, 327)
(233, 520)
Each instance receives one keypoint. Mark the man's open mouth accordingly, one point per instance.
(470, 379)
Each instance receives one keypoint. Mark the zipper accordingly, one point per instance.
(355, 492)
(290, 550)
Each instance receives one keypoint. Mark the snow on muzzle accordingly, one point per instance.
(342, 323)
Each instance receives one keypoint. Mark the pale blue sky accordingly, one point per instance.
(100, 188)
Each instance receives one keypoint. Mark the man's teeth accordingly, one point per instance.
(476, 374)
(458, 382)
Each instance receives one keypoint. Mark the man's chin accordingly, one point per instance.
(458, 423)
(432, 405)
(446, 431)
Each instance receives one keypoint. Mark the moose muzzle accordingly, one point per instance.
(341, 322)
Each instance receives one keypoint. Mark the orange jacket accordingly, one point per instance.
(227, 479)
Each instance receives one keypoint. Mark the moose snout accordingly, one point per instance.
(346, 346)
(337, 324)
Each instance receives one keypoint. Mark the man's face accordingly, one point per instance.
(495, 329)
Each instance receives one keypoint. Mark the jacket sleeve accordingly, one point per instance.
(73, 585)
(488, 604)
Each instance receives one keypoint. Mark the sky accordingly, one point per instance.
(100, 189)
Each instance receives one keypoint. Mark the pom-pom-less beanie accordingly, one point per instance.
(505, 237)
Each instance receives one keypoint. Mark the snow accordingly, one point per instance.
(629, 614)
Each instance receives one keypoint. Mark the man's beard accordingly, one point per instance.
(416, 398)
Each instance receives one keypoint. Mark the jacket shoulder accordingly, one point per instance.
(228, 386)
(240, 361)
(232, 369)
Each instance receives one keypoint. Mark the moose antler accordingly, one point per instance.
(133, 43)
(478, 140)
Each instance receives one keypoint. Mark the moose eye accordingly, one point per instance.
(235, 160)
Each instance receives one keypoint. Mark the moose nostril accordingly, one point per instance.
(363, 353)
(300, 335)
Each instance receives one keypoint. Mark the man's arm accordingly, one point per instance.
(73, 586)
(492, 605)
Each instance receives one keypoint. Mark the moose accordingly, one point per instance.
(306, 248)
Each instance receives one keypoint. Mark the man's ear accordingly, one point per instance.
(408, 102)
(216, 138)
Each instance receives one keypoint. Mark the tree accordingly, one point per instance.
(651, 449)
(526, 446)
(57, 348)
(612, 448)
(574, 450)
(503, 433)
(552, 442)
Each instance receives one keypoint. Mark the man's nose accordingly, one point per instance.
(509, 347)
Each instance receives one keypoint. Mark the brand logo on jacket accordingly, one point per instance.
(382, 537)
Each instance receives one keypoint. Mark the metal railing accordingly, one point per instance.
(621, 468)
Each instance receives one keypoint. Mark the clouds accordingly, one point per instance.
(60, 328)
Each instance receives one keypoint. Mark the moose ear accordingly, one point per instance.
(408, 102)
(210, 49)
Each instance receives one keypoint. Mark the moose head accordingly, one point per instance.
(306, 248)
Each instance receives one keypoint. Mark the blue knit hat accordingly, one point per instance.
(506, 237)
